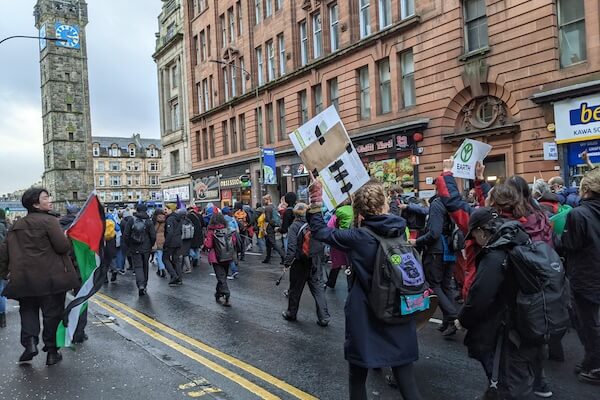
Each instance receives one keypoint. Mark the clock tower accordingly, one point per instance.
(68, 169)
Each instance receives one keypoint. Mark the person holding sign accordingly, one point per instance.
(370, 342)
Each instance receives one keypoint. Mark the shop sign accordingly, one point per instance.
(286, 170)
(399, 142)
(246, 182)
(231, 182)
(402, 142)
(170, 194)
(206, 188)
(575, 150)
(299, 170)
(550, 151)
(269, 176)
(577, 119)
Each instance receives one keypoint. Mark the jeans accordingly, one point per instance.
(284, 240)
(233, 267)
(52, 307)
(260, 242)
(194, 254)
(159, 261)
(2, 298)
(120, 259)
(404, 375)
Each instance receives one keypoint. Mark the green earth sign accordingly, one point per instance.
(466, 153)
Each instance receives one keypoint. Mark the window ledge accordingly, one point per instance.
(475, 53)
(574, 65)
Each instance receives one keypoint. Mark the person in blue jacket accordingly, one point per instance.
(370, 343)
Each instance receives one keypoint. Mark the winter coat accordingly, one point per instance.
(287, 220)
(269, 210)
(438, 219)
(197, 222)
(492, 295)
(35, 258)
(209, 242)
(173, 231)
(459, 211)
(159, 227)
(369, 343)
(149, 234)
(569, 196)
(581, 242)
(316, 248)
(3, 230)
(549, 203)
(537, 225)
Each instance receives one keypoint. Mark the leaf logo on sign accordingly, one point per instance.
(466, 153)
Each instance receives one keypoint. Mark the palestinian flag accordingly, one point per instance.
(87, 236)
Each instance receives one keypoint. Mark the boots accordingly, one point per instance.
(2, 320)
(53, 357)
(30, 350)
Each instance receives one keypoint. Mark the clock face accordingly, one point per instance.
(70, 35)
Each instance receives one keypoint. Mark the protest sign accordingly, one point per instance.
(466, 158)
(327, 151)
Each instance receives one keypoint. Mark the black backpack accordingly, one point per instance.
(223, 245)
(542, 297)
(398, 289)
(138, 230)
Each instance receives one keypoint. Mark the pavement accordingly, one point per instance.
(178, 343)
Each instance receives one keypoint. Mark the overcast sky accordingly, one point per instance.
(122, 77)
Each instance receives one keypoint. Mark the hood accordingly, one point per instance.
(345, 215)
(538, 227)
(386, 225)
(510, 233)
(141, 214)
(593, 204)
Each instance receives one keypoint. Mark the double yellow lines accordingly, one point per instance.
(154, 328)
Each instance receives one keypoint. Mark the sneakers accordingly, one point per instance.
(543, 391)
(53, 357)
(592, 377)
(450, 331)
(230, 277)
(235, 274)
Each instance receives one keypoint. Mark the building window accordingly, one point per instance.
(205, 94)
(175, 116)
(223, 26)
(385, 13)
(115, 180)
(226, 83)
(268, 8)
(75, 195)
(196, 50)
(364, 18)
(153, 166)
(242, 132)
(231, 18)
(270, 124)
(259, 125)
(67, 76)
(174, 158)
(211, 85)
(234, 135)
(174, 76)
(204, 144)
(278, 5)
(385, 87)
(198, 146)
(153, 180)
(571, 26)
(72, 164)
(201, 5)
(114, 151)
(101, 181)
(258, 11)
(240, 16)
(281, 119)
(303, 106)
(408, 79)
(334, 94)
(317, 35)
(259, 65)
(303, 44)
(211, 133)
(476, 30)
(199, 96)
(71, 136)
(202, 45)
(208, 40)
(132, 152)
(69, 107)
(225, 138)
(270, 61)
(233, 71)
(407, 8)
(318, 98)
(114, 166)
(281, 44)
(365, 95)
(129, 180)
(334, 27)
(96, 151)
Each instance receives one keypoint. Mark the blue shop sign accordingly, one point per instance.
(575, 149)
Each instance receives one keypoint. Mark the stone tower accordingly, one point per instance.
(68, 169)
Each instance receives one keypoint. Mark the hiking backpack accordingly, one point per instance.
(542, 296)
(138, 230)
(398, 289)
(303, 243)
(242, 219)
(223, 245)
(187, 229)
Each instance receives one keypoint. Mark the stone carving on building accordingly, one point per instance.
(482, 113)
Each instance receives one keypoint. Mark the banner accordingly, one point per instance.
(170, 194)
(577, 119)
(207, 188)
(326, 149)
(269, 175)
(466, 158)
(575, 150)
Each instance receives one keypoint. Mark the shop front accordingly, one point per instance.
(171, 193)
(391, 159)
(236, 189)
(206, 190)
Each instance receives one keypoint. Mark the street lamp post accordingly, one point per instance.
(33, 37)
(259, 134)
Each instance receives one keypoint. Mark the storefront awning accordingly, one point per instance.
(566, 92)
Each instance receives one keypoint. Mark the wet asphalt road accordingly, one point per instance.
(210, 351)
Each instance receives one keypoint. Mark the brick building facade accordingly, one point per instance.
(409, 78)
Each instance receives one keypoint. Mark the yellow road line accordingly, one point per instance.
(286, 387)
(246, 384)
